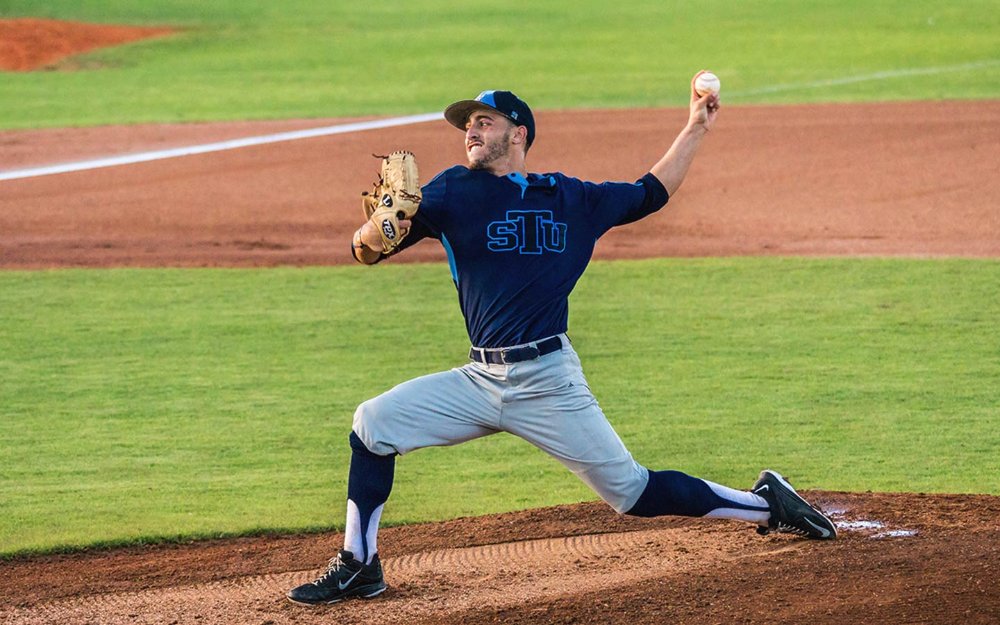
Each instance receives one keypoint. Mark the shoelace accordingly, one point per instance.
(332, 568)
(791, 529)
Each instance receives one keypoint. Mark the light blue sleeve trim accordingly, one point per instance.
(451, 258)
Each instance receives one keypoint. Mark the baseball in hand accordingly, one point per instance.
(707, 83)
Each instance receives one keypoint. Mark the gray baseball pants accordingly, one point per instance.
(545, 401)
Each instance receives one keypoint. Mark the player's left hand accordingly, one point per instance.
(393, 201)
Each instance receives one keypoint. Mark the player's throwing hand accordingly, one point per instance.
(704, 108)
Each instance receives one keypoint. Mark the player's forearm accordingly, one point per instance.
(673, 167)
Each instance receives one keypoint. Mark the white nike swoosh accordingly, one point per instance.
(822, 530)
(762, 488)
(343, 585)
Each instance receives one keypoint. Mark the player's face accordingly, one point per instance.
(487, 139)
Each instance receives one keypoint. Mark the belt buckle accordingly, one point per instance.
(503, 356)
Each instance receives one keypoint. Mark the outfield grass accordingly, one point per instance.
(300, 58)
(156, 404)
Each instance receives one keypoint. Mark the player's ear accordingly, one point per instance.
(520, 135)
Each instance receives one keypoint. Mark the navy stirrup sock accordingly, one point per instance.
(679, 494)
(368, 486)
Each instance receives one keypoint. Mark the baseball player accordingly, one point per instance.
(517, 243)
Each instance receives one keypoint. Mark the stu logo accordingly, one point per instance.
(527, 232)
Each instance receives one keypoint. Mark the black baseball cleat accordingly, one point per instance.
(345, 577)
(790, 513)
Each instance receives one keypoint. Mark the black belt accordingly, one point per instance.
(515, 354)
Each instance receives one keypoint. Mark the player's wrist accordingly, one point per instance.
(362, 250)
(363, 238)
(356, 241)
(697, 127)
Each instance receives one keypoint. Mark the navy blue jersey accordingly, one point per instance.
(517, 246)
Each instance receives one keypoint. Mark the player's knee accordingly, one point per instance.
(619, 486)
(362, 415)
(369, 428)
(621, 504)
(365, 417)
(620, 500)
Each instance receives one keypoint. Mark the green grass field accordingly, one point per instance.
(150, 404)
(251, 60)
(142, 405)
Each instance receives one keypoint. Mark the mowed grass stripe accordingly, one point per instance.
(158, 404)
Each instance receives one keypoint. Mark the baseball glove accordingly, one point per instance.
(395, 196)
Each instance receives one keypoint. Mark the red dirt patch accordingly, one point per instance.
(900, 558)
(28, 44)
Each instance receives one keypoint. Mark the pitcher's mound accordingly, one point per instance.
(899, 558)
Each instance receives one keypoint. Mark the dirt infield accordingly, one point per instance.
(899, 179)
(881, 179)
(899, 559)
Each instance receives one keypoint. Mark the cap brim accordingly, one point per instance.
(458, 113)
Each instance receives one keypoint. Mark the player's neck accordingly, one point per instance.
(514, 163)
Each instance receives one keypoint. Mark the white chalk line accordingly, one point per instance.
(143, 157)
(848, 80)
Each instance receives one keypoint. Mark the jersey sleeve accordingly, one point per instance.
(618, 203)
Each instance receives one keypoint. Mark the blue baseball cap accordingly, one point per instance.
(504, 102)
